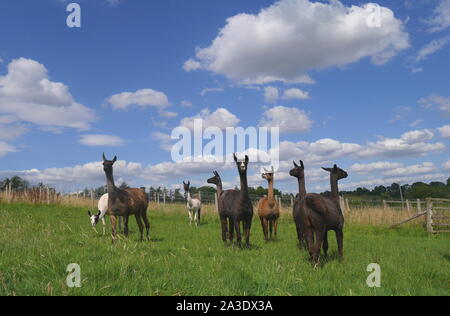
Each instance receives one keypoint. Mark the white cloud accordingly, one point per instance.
(289, 120)
(441, 19)
(221, 118)
(271, 94)
(417, 136)
(295, 93)
(446, 165)
(431, 48)
(11, 132)
(445, 131)
(205, 91)
(101, 140)
(6, 148)
(27, 95)
(374, 167)
(436, 101)
(283, 42)
(143, 98)
(397, 148)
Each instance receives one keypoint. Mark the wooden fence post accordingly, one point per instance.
(292, 201)
(342, 204)
(419, 206)
(430, 216)
(164, 198)
(347, 205)
(408, 206)
(384, 205)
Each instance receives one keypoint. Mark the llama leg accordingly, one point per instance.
(147, 223)
(275, 227)
(223, 222)
(309, 234)
(237, 227)
(199, 215)
(120, 220)
(125, 225)
(247, 227)
(318, 244)
(325, 243)
(196, 217)
(190, 217)
(113, 227)
(141, 226)
(104, 226)
(271, 228)
(231, 231)
(340, 242)
(264, 227)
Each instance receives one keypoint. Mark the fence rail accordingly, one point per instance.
(438, 216)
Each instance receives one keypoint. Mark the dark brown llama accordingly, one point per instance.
(225, 215)
(319, 214)
(125, 202)
(269, 209)
(299, 173)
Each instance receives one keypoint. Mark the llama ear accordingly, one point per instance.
(89, 213)
(335, 168)
(327, 169)
(301, 164)
(235, 157)
(295, 164)
(104, 157)
(246, 159)
(115, 159)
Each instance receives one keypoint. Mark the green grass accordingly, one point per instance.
(38, 242)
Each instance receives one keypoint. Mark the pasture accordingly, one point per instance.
(38, 242)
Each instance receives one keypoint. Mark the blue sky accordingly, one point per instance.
(375, 100)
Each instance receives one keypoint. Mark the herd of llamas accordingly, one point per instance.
(314, 215)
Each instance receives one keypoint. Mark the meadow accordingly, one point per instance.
(38, 242)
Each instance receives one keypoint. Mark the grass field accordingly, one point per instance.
(37, 243)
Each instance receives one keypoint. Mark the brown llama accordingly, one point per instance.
(125, 203)
(269, 209)
(319, 214)
(299, 173)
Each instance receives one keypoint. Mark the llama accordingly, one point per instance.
(319, 214)
(102, 209)
(225, 203)
(242, 206)
(299, 173)
(194, 206)
(269, 209)
(125, 203)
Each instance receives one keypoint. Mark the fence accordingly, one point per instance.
(438, 216)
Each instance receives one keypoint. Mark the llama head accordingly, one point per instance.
(215, 180)
(94, 218)
(108, 164)
(298, 171)
(242, 165)
(268, 174)
(186, 186)
(337, 172)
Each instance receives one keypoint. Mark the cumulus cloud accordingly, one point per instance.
(94, 140)
(289, 120)
(417, 136)
(441, 17)
(27, 95)
(143, 98)
(445, 131)
(295, 93)
(283, 42)
(446, 165)
(397, 148)
(221, 118)
(6, 148)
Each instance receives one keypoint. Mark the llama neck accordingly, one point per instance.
(111, 187)
(244, 186)
(334, 187)
(188, 196)
(219, 188)
(301, 187)
(271, 195)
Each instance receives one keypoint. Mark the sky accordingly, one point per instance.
(361, 85)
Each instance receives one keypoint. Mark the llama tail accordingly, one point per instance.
(316, 204)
